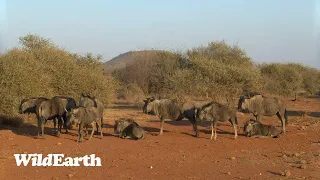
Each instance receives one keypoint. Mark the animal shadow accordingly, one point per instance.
(303, 113)
(274, 173)
(30, 131)
(220, 131)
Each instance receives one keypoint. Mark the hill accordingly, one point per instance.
(122, 60)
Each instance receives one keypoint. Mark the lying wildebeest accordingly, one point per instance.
(260, 105)
(215, 112)
(170, 109)
(29, 105)
(51, 109)
(128, 128)
(85, 116)
(88, 101)
(253, 128)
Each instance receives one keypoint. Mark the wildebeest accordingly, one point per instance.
(128, 128)
(85, 116)
(215, 112)
(170, 109)
(253, 128)
(29, 105)
(267, 106)
(89, 101)
(51, 109)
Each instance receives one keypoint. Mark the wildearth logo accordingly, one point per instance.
(56, 160)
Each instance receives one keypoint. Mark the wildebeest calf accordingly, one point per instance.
(268, 106)
(215, 112)
(85, 116)
(253, 128)
(128, 128)
(170, 109)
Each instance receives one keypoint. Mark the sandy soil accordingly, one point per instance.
(177, 154)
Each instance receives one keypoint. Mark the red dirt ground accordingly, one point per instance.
(176, 154)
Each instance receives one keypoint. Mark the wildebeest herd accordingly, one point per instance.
(89, 111)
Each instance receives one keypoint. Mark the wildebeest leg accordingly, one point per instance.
(99, 123)
(215, 129)
(195, 128)
(234, 128)
(39, 127)
(86, 134)
(59, 126)
(282, 119)
(80, 132)
(42, 121)
(99, 127)
(161, 125)
(93, 124)
(211, 130)
(65, 123)
(54, 125)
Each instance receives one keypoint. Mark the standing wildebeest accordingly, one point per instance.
(260, 105)
(254, 128)
(88, 101)
(169, 109)
(85, 116)
(215, 112)
(29, 105)
(51, 109)
(128, 128)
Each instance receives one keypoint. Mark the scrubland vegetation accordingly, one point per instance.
(40, 68)
(218, 71)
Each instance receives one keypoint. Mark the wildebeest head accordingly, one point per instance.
(244, 100)
(26, 105)
(203, 113)
(147, 101)
(72, 116)
(29, 105)
(242, 103)
(249, 126)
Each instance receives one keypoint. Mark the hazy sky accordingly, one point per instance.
(269, 30)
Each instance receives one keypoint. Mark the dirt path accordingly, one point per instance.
(176, 154)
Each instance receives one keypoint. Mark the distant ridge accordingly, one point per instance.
(122, 60)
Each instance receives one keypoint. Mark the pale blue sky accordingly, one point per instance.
(269, 30)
